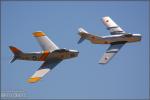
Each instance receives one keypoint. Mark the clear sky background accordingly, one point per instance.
(126, 76)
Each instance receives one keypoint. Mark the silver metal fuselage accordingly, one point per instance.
(115, 38)
(63, 54)
(42, 56)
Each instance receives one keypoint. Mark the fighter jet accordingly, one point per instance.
(117, 39)
(51, 55)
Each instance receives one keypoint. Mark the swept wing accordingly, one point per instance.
(45, 42)
(111, 52)
(112, 26)
(43, 70)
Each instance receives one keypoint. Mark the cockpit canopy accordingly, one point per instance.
(61, 50)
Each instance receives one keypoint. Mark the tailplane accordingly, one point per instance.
(83, 33)
(16, 53)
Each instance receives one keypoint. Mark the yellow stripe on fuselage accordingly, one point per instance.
(44, 56)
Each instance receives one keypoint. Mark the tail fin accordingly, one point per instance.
(16, 53)
(83, 34)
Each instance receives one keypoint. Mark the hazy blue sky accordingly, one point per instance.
(125, 76)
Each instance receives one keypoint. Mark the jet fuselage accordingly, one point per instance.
(114, 38)
(117, 39)
(46, 55)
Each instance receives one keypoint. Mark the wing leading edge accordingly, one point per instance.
(43, 70)
(111, 52)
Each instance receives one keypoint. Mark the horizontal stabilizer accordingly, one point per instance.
(81, 40)
(14, 58)
(83, 34)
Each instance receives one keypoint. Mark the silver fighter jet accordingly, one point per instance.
(117, 39)
(51, 55)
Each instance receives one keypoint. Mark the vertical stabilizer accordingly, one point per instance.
(83, 33)
(16, 53)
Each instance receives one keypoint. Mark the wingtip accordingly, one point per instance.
(34, 80)
(38, 34)
(101, 63)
